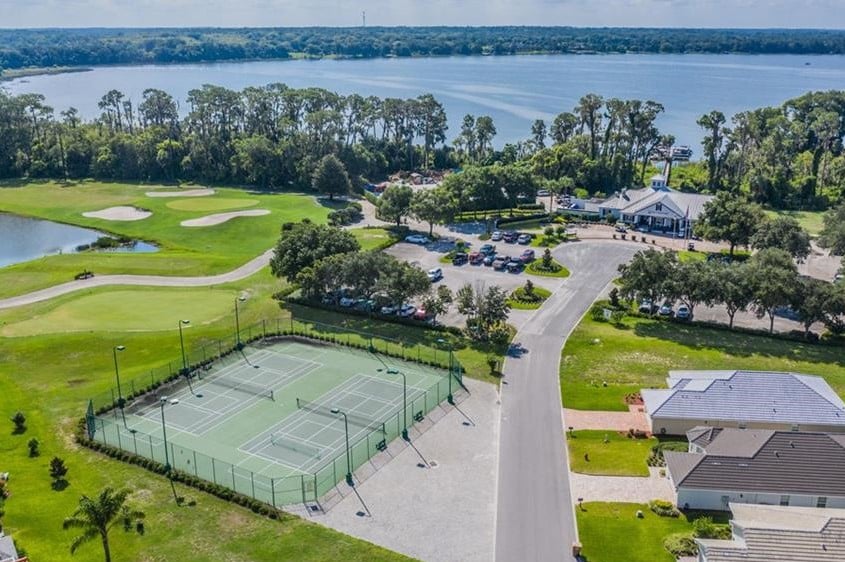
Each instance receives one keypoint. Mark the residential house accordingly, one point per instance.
(8, 553)
(758, 466)
(743, 399)
(767, 533)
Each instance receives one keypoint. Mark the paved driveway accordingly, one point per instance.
(535, 519)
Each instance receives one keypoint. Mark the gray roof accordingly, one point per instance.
(747, 396)
(768, 533)
(786, 462)
(7, 549)
(730, 442)
(632, 201)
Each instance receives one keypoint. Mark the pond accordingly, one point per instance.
(23, 239)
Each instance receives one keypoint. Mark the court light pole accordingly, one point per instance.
(120, 401)
(162, 404)
(349, 480)
(182, 345)
(404, 402)
(238, 345)
(451, 363)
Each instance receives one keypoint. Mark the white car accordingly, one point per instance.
(435, 274)
(346, 302)
(543, 193)
(496, 236)
(407, 310)
(389, 310)
(417, 239)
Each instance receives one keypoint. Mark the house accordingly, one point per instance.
(773, 533)
(743, 399)
(657, 207)
(7, 550)
(758, 466)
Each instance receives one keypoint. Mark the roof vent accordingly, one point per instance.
(792, 444)
(743, 464)
(777, 454)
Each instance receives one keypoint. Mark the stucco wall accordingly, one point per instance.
(712, 499)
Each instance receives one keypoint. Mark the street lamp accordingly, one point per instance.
(182, 344)
(120, 401)
(238, 345)
(451, 363)
(349, 480)
(404, 401)
(162, 404)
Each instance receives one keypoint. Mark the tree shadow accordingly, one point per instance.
(59, 485)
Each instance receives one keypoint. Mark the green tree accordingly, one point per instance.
(434, 206)
(774, 279)
(303, 244)
(814, 301)
(691, 283)
(717, 146)
(833, 232)
(330, 177)
(19, 421)
(33, 445)
(729, 218)
(785, 234)
(395, 203)
(257, 160)
(437, 302)
(96, 517)
(648, 275)
(58, 471)
(732, 284)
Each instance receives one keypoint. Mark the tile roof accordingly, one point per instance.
(747, 396)
(786, 462)
(765, 533)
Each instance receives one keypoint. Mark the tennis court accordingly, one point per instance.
(272, 421)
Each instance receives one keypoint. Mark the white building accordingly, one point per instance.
(758, 466)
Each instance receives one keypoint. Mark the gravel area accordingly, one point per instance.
(628, 489)
(220, 218)
(119, 213)
(634, 418)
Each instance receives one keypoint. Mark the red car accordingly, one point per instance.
(475, 258)
(527, 256)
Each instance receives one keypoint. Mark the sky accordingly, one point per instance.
(272, 13)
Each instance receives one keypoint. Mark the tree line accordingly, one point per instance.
(23, 48)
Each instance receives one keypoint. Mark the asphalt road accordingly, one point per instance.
(535, 515)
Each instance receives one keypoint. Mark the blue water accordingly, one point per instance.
(23, 239)
(513, 90)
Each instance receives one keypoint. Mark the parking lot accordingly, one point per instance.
(428, 257)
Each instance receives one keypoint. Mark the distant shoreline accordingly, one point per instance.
(17, 73)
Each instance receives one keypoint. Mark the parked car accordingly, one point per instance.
(666, 310)
(496, 236)
(500, 262)
(510, 236)
(684, 313)
(643, 229)
(621, 228)
(524, 239)
(346, 302)
(435, 275)
(417, 239)
(527, 256)
(461, 258)
(420, 314)
(475, 258)
(364, 304)
(487, 249)
(646, 306)
(543, 193)
(489, 259)
(839, 278)
(514, 265)
(389, 310)
(407, 310)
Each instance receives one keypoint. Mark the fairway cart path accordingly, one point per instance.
(249, 268)
(535, 517)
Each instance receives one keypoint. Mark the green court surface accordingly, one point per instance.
(269, 422)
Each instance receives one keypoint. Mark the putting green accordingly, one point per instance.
(127, 310)
(211, 204)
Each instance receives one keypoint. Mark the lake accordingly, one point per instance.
(513, 90)
(23, 239)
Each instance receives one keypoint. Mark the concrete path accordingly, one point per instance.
(535, 519)
(446, 513)
(244, 271)
(625, 489)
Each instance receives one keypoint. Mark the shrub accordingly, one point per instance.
(705, 528)
(663, 508)
(680, 544)
(549, 231)
(19, 420)
(33, 445)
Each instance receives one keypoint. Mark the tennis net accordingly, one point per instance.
(358, 420)
(243, 386)
(294, 445)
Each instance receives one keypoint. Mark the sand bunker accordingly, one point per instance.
(122, 213)
(187, 193)
(220, 218)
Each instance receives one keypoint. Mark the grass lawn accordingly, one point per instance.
(557, 270)
(517, 298)
(374, 238)
(811, 221)
(611, 532)
(620, 456)
(602, 363)
(183, 251)
(50, 376)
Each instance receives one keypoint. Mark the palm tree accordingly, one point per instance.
(97, 516)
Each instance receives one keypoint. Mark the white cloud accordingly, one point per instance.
(658, 13)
